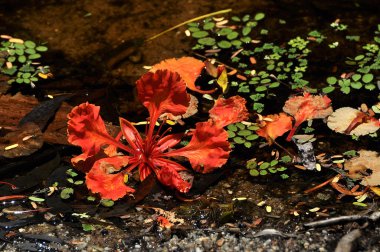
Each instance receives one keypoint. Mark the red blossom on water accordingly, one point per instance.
(307, 107)
(160, 92)
(227, 111)
(274, 126)
(188, 68)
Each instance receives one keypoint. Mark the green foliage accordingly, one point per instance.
(66, 193)
(350, 153)
(36, 199)
(107, 203)
(17, 60)
(87, 227)
(317, 36)
(244, 40)
(337, 26)
(242, 134)
(271, 167)
(72, 174)
(276, 64)
(363, 67)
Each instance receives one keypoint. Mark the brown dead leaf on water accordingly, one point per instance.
(365, 167)
(352, 121)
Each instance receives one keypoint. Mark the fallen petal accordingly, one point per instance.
(208, 148)
(102, 178)
(188, 68)
(228, 111)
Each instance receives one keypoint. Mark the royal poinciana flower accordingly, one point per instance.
(111, 160)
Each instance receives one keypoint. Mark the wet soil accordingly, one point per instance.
(95, 48)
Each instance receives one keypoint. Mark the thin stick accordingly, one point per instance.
(319, 186)
(188, 21)
(283, 148)
(341, 219)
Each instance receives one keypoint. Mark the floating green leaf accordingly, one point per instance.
(41, 48)
(36, 199)
(107, 203)
(259, 16)
(367, 78)
(207, 41)
(232, 35)
(200, 34)
(208, 26)
(66, 193)
(254, 172)
(246, 30)
(224, 44)
(30, 44)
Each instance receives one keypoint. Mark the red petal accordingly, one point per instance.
(169, 177)
(271, 130)
(168, 141)
(101, 180)
(208, 148)
(144, 171)
(86, 129)
(227, 111)
(131, 134)
(163, 92)
(188, 68)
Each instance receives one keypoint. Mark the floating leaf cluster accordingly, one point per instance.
(362, 70)
(17, 60)
(264, 168)
(242, 134)
(262, 66)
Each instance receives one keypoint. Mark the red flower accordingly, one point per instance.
(307, 107)
(160, 92)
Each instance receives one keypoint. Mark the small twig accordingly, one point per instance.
(188, 21)
(344, 191)
(319, 186)
(343, 219)
(12, 197)
(283, 148)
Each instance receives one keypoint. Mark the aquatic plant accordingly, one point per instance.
(108, 161)
(17, 60)
(263, 168)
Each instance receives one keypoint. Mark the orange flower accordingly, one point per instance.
(276, 126)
